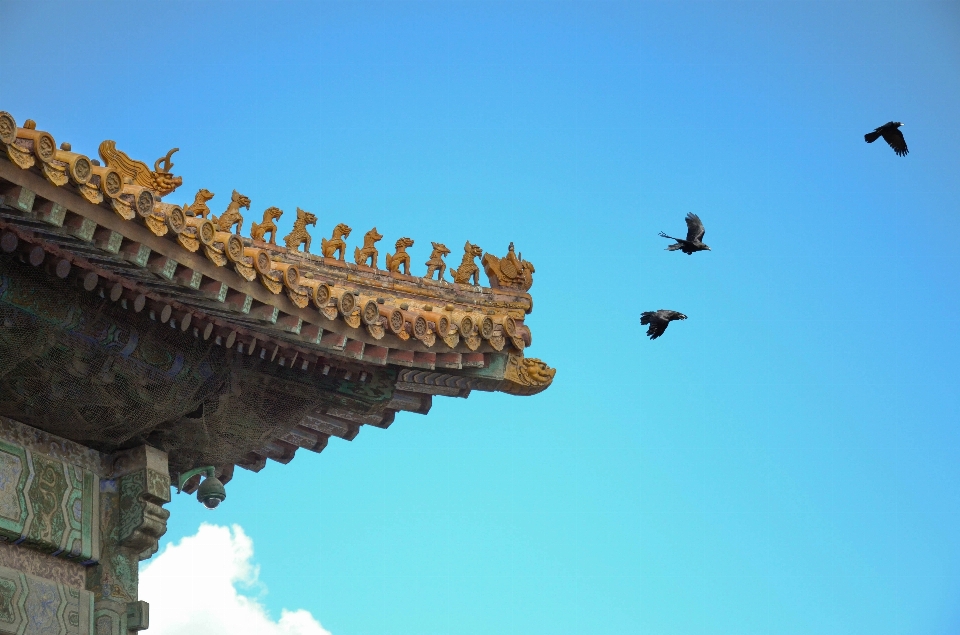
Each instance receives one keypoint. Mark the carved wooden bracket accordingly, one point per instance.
(144, 487)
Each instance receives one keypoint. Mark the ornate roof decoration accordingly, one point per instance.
(509, 272)
(107, 227)
(158, 179)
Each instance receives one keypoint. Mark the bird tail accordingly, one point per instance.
(870, 137)
(645, 317)
(673, 247)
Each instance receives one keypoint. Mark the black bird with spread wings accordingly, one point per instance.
(659, 320)
(694, 239)
(890, 132)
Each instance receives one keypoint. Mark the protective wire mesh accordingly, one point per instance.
(81, 367)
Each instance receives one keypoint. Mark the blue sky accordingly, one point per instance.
(784, 461)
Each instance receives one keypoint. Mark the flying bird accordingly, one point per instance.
(659, 320)
(890, 132)
(693, 242)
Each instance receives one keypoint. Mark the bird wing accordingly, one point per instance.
(657, 327)
(895, 140)
(695, 230)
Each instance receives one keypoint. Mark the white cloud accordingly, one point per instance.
(192, 588)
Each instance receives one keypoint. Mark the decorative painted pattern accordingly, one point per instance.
(47, 504)
(30, 605)
(67, 572)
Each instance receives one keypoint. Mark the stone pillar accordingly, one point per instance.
(131, 523)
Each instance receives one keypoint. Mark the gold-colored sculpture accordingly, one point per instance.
(369, 250)
(199, 206)
(401, 257)
(527, 375)
(336, 242)
(299, 235)
(511, 271)
(468, 268)
(159, 179)
(436, 262)
(232, 216)
(259, 231)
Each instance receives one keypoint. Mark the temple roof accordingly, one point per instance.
(105, 226)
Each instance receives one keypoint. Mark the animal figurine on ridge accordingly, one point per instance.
(259, 231)
(401, 257)
(511, 271)
(232, 216)
(468, 268)
(436, 263)
(336, 243)
(199, 206)
(369, 249)
(299, 235)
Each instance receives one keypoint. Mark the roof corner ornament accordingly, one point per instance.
(299, 236)
(526, 375)
(511, 271)
(468, 268)
(267, 225)
(336, 242)
(369, 249)
(394, 261)
(159, 179)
